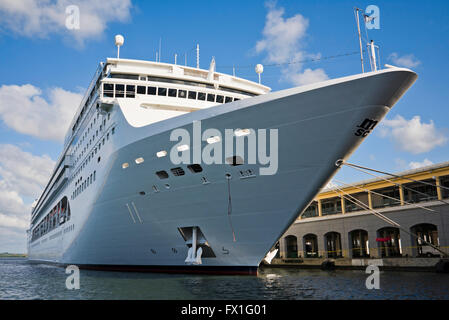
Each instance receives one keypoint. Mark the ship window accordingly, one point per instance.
(234, 161)
(94, 174)
(220, 99)
(151, 90)
(139, 160)
(228, 99)
(236, 99)
(108, 90)
(162, 174)
(182, 93)
(211, 97)
(192, 94)
(178, 171)
(172, 92)
(119, 90)
(201, 96)
(125, 165)
(183, 147)
(141, 89)
(195, 168)
(130, 91)
(124, 76)
(161, 154)
(161, 91)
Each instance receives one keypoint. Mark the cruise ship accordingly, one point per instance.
(117, 200)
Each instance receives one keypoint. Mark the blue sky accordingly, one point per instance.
(45, 68)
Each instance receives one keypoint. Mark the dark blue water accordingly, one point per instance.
(22, 280)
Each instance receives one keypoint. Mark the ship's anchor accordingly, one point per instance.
(194, 254)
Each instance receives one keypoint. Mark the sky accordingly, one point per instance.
(46, 63)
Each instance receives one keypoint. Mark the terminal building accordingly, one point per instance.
(336, 226)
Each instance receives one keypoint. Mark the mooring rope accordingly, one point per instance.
(394, 223)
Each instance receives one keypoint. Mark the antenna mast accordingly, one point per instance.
(197, 55)
(360, 36)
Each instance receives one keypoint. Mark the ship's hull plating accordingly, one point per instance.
(125, 225)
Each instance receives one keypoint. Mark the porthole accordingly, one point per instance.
(213, 139)
(183, 147)
(161, 153)
(242, 132)
(125, 165)
(167, 186)
(139, 160)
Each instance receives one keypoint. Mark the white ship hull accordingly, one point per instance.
(114, 226)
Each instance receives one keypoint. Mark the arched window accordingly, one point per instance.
(427, 234)
(291, 244)
(359, 245)
(310, 246)
(332, 242)
(389, 242)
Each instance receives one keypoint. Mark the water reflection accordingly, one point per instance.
(22, 280)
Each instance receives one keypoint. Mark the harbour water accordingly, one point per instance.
(22, 280)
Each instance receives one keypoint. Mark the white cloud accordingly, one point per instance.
(413, 135)
(23, 172)
(22, 175)
(23, 109)
(408, 60)
(13, 222)
(40, 18)
(308, 76)
(283, 42)
(415, 165)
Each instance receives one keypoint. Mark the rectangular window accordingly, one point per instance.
(220, 99)
(172, 92)
(151, 90)
(195, 168)
(141, 89)
(162, 174)
(124, 76)
(228, 99)
(201, 96)
(119, 90)
(130, 91)
(162, 91)
(211, 97)
(178, 171)
(182, 93)
(108, 90)
(192, 95)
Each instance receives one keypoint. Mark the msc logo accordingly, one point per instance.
(365, 127)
